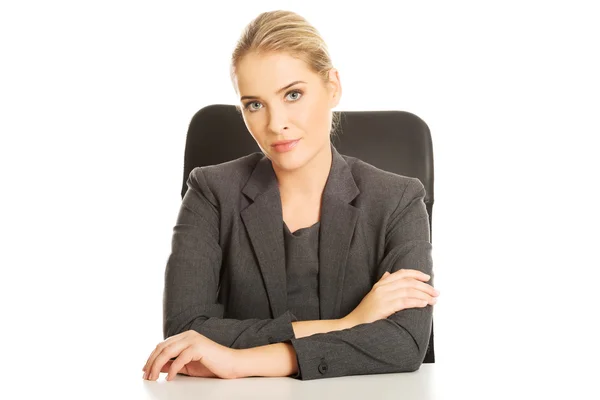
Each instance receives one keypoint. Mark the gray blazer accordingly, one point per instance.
(225, 277)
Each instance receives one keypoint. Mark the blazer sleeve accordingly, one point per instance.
(397, 343)
(192, 276)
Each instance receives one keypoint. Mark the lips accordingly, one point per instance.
(285, 146)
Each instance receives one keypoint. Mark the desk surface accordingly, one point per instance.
(431, 381)
(417, 385)
(460, 380)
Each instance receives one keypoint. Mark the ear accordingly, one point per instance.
(335, 86)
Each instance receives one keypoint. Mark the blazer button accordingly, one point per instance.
(323, 367)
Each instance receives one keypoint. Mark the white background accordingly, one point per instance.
(96, 98)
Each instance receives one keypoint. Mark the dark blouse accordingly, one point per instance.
(302, 269)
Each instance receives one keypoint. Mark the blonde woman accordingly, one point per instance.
(296, 261)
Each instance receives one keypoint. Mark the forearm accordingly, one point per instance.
(243, 334)
(307, 328)
(280, 359)
(384, 346)
(232, 333)
(272, 360)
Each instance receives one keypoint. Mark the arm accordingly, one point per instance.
(307, 328)
(272, 360)
(397, 343)
(192, 280)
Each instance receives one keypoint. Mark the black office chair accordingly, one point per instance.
(394, 141)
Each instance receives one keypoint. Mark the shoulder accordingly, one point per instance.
(213, 181)
(385, 196)
(229, 172)
(375, 183)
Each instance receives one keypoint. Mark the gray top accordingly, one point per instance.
(302, 271)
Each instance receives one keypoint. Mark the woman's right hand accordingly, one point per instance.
(405, 288)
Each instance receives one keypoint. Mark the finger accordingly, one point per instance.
(165, 368)
(404, 274)
(158, 349)
(383, 278)
(399, 284)
(165, 356)
(150, 359)
(407, 302)
(168, 352)
(385, 275)
(162, 345)
(417, 285)
(176, 366)
(415, 294)
(424, 287)
(410, 273)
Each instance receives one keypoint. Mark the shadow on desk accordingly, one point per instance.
(407, 386)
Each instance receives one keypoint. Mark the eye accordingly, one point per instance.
(293, 95)
(297, 94)
(249, 107)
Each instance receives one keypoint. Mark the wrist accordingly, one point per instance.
(347, 322)
(277, 359)
(240, 363)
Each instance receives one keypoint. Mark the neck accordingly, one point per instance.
(308, 182)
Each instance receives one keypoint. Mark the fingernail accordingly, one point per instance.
(437, 292)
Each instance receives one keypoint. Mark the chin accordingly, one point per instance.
(289, 161)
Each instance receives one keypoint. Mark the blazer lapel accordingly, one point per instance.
(264, 223)
(263, 220)
(338, 221)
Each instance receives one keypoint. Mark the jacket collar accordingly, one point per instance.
(263, 219)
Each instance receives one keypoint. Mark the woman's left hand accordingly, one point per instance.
(196, 355)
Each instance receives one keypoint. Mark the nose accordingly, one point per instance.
(278, 122)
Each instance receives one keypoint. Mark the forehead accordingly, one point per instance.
(263, 74)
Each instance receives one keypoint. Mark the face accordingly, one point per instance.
(283, 100)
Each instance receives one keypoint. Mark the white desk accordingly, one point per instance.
(417, 385)
(461, 380)
(431, 381)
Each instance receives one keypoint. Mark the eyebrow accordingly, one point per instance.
(277, 92)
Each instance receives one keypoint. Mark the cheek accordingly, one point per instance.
(313, 117)
(253, 124)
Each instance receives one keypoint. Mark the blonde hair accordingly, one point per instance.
(285, 31)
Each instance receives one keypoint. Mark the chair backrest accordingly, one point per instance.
(395, 141)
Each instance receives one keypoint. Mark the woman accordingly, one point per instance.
(296, 261)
